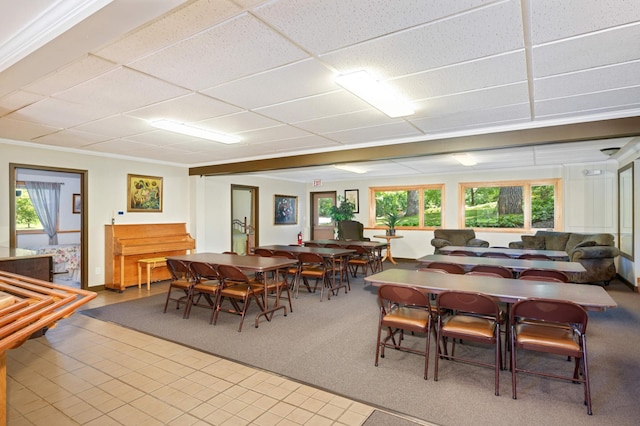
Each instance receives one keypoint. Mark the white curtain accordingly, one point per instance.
(45, 197)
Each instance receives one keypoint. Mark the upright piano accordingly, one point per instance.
(126, 244)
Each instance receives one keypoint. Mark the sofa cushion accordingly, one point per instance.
(533, 242)
(588, 243)
(554, 240)
(457, 237)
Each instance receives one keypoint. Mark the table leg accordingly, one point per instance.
(265, 300)
(139, 275)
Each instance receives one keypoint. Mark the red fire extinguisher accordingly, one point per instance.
(300, 238)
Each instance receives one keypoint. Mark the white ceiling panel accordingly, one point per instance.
(264, 70)
(237, 48)
(266, 88)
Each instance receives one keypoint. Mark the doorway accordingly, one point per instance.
(244, 218)
(322, 227)
(70, 258)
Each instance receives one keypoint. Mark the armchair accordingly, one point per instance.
(456, 237)
(351, 230)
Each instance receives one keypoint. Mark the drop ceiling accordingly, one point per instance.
(94, 73)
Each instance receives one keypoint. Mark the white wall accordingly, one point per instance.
(214, 213)
(589, 202)
(107, 183)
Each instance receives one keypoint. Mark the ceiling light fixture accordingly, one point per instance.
(465, 159)
(610, 151)
(363, 85)
(197, 132)
(348, 168)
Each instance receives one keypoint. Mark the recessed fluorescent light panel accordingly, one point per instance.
(197, 132)
(348, 168)
(363, 85)
(465, 159)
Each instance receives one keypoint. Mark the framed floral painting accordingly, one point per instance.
(285, 210)
(144, 193)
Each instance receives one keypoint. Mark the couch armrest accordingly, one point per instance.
(440, 242)
(477, 242)
(594, 252)
(516, 245)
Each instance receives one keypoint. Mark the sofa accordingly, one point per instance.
(351, 230)
(596, 252)
(456, 237)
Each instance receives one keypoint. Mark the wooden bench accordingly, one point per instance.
(151, 263)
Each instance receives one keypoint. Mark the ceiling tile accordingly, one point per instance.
(115, 126)
(240, 122)
(58, 113)
(483, 117)
(235, 49)
(375, 133)
(593, 50)
(485, 32)
(354, 120)
(17, 100)
(185, 109)
(326, 105)
(23, 131)
(267, 88)
(610, 100)
(323, 26)
(70, 139)
(73, 74)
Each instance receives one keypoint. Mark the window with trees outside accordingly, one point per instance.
(517, 204)
(418, 207)
(26, 217)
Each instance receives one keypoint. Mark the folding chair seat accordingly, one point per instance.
(362, 259)
(552, 327)
(450, 268)
(313, 266)
(403, 309)
(472, 317)
(181, 281)
(543, 274)
(239, 289)
(207, 285)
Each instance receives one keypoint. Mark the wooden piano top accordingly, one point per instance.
(149, 237)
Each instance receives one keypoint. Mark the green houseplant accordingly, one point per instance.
(391, 219)
(343, 210)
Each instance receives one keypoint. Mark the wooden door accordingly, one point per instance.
(322, 227)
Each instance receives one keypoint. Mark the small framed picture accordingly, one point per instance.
(144, 193)
(285, 210)
(77, 203)
(353, 196)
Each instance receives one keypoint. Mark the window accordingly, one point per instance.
(419, 206)
(518, 205)
(26, 217)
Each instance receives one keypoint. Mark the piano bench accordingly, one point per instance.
(151, 263)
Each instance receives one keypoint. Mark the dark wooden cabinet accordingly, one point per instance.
(25, 262)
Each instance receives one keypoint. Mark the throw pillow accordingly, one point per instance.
(533, 242)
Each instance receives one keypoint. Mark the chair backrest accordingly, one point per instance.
(311, 245)
(484, 274)
(229, 252)
(284, 253)
(553, 311)
(263, 252)
(450, 268)
(496, 254)
(462, 253)
(532, 256)
(310, 258)
(544, 273)
(474, 303)
(350, 230)
(360, 251)
(503, 271)
(333, 245)
(545, 279)
(232, 274)
(389, 295)
(178, 269)
(201, 271)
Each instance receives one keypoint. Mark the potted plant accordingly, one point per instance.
(392, 219)
(343, 210)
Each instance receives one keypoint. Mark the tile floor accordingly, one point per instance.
(89, 372)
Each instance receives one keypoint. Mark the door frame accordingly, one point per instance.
(255, 210)
(312, 209)
(84, 213)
